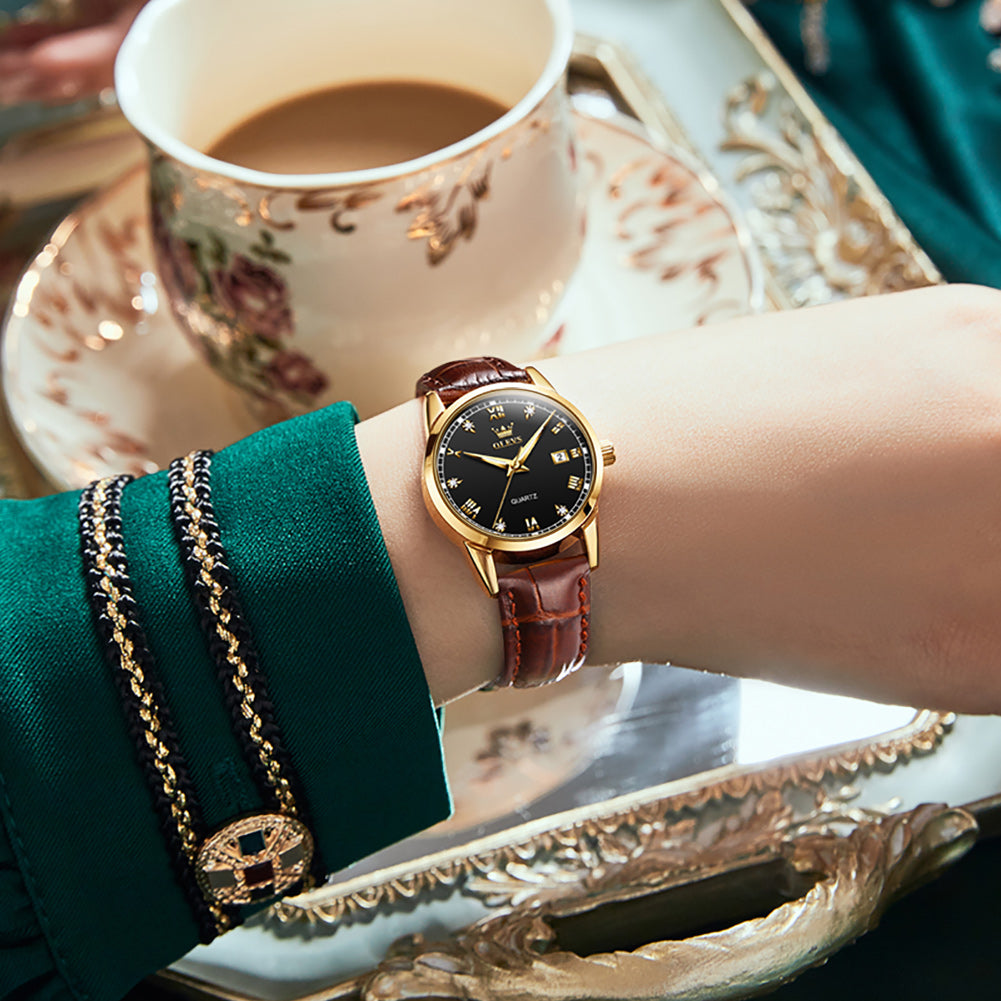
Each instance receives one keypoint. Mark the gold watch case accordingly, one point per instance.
(480, 547)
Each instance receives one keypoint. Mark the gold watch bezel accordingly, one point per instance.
(459, 530)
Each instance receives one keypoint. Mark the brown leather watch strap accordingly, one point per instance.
(456, 378)
(545, 612)
(545, 607)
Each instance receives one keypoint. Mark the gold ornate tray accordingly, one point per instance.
(667, 873)
(824, 228)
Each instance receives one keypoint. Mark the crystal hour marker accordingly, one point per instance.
(530, 410)
(562, 510)
(499, 525)
(469, 426)
(453, 482)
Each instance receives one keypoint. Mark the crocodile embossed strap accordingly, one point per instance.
(545, 607)
(545, 611)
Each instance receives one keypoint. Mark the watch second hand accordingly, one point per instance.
(516, 463)
(507, 486)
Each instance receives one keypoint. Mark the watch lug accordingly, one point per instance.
(483, 564)
(590, 535)
(433, 409)
(538, 378)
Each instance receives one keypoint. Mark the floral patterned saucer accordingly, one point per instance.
(99, 379)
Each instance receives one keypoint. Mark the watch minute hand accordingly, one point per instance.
(526, 450)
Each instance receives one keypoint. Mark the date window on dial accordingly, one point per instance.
(560, 456)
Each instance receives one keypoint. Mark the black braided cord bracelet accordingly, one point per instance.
(127, 653)
(230, 642)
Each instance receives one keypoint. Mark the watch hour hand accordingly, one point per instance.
(493, 460)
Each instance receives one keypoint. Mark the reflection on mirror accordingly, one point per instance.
(516, 760)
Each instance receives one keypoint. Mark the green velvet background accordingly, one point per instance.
(910, 90)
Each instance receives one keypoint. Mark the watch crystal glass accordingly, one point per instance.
(515, 464)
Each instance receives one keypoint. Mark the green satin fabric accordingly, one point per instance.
(88, 905)
(910, 90)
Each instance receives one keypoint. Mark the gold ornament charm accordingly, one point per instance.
(254, 858)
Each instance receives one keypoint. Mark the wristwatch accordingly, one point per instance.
(513, 472)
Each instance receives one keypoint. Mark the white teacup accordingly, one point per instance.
(307, 288)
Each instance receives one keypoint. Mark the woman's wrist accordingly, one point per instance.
(790, 494)
(455, 626)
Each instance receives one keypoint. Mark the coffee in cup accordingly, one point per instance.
(305, 280)
(355, 126)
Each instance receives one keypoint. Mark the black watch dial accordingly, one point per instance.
(515, 464)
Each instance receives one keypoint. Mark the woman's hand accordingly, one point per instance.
(812, 497)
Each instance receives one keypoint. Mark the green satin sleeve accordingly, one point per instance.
(910, 90)
(88, 905)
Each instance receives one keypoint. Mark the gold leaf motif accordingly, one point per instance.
(444, 219)
(335, 201)
(812, 217)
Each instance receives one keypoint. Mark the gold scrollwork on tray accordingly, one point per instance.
(561, 858)
(855, 864)
(823, 237)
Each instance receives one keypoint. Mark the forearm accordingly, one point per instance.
(803, 496)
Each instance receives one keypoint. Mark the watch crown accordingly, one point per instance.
(607, 453)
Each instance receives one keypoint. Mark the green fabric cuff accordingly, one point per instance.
(348, 688)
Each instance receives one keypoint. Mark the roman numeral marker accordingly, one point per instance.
(471, 508)
(531, 525)
(574, 483)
